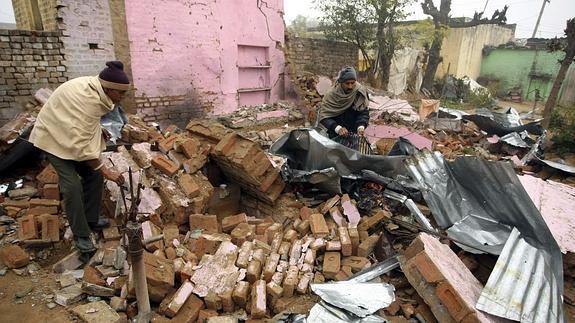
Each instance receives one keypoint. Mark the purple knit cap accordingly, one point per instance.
(114, 77)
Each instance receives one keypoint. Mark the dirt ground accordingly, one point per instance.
(32, 307)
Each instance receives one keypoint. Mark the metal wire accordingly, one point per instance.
(355, 142)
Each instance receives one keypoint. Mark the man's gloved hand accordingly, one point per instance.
(341, 131)
(361, 130)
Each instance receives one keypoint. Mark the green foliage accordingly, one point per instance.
(427, 31)
(562, 126)
(480, 98)
(369, 24)
(298, 27)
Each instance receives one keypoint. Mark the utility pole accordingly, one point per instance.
(539, 18)
(485, 7)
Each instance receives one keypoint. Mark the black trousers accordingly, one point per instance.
(82, 189)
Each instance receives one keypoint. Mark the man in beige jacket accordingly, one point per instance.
(68, 129)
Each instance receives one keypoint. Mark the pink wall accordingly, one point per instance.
(181, 47)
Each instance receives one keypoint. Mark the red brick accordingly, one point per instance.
(42, 210)
(47, 176)
(226, 144)
(346, 246)
(269, 178)
(205, 315)
(230, 222)
(14, 257)
(428, 268)
(190, 147)
(318, 225)
(452, 301)
(253, 271)
(189, 185)
(331, 264)
(190, 311)
(367, 223)
(243, 232)
(305, 213)
(213, 301)
(44, 202)
(51, 191)
(355, 263)
(179, 299)
(165, 165)
(290, 282)
(167, 144)
(259, 307)
(354, 237)
(27, 228)
(366, 247)
(257, 165)
(208, 223)
(240, 293)
(329, 204)
(50, 227)
(93, 276)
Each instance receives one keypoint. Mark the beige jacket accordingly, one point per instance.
(68, 125)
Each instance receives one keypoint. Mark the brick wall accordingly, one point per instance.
(85, 22)
(167, 110)
(320, 56)
(29, 60)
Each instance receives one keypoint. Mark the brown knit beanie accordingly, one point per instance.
(113, 76)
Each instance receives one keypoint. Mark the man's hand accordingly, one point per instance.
(361, 130)
(112, 175)
(342, 131)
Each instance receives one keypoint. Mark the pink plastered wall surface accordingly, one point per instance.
(194, 48)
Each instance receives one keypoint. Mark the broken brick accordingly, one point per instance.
(366, 247)
(331, 264)
(318, 225)
(230, 222)
(189, 185)
(259, 307)
(190, 311)
(179, 299)
(190, 147)
(346, 246)
(14, 257)
(44, 202)
(226, 144)
(27, 229)
(167, 144)
(253, 271)
(240, 293)
(165, 165)
(51, 192)
(50, 227)
(207, 223)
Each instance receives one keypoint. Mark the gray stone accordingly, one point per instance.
(97, 290)
(69, 295)
(118, 304)
(98, 312)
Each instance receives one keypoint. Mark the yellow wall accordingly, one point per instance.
(35, 14)
(462, 48)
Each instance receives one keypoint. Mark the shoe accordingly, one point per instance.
(101, 224)
(86, 256)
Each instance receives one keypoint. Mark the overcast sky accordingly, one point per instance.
(521, 12)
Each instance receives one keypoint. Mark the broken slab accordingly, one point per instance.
(219, 273)
(96, 312)
(443, 281)
(69, 295)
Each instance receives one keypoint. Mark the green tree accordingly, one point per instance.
(569, 48)
(298, 26)
(369, 24)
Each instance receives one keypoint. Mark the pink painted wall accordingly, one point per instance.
(182, 47)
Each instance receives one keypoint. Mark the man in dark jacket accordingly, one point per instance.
(344, 108)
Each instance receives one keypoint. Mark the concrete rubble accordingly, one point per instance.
(241, 244)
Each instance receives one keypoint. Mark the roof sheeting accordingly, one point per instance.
(483, 203)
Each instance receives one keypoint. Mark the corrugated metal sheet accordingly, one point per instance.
(523, 285)
(478, 200)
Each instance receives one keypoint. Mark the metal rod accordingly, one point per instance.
(136, 253)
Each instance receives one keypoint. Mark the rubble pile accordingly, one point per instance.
(226, 237)
(305, 86)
